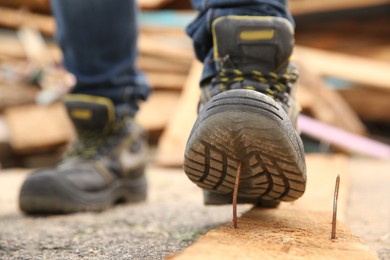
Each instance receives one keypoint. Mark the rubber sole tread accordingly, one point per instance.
(248, 127)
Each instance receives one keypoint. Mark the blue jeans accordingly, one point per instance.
(98, 39)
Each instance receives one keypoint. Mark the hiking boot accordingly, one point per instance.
(105, 166)
(248, 114)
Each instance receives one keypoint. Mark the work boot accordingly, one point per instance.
(105, 166)
(247, 115)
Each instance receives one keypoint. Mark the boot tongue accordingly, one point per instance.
(89, 112)
(253, 43)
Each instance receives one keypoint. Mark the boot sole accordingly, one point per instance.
(248, 127)
(59, 198)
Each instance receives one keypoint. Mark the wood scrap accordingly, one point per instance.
(362, 71)
(300, 7)
(15, 18)
(36, 5)
(157, 111)
(155, 47)
(155, 64)
(324, 103)
(35, 47)
(153, 4)
(294, 231)
(171, 81)
(370, 104)
(16, 94)
(36, 128)
(172, 142)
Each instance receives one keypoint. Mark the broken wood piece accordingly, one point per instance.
(36, 128)
(343, 139)
(363, 71)
(172, 142)
(157, 111)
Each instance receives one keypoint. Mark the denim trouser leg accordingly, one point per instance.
(209, 10)
(99, 39)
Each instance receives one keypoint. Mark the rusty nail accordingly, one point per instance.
(335, 201)
(235, 194)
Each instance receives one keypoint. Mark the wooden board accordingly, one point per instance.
(172, 142)
(160, 80)
(153, 4)
(157, 111)
(323, 103)
(38, 5)
(16, 94)
(153, 46)
(155, 64)
(14, 18)
(293, 231)
(362, 71)
(375, 105)
(38, 128)
(300, 7)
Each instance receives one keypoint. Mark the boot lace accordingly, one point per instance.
(93, 144)
(275, 85)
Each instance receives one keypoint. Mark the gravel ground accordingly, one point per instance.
(171, 219)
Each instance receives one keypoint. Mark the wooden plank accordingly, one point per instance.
(172, 142)
(323, 103)
(11, 47)
(38, 128)
(294, 231)
(160, 80)
(301, 7)
(16, 94)
(375, 105)
(157, 111)
(154, 64)
(362, 71)
(38, 5)
(153, 4)
(14, 18)
(153, 46)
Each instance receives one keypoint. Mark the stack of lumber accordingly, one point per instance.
(165, 56)
(343, 65)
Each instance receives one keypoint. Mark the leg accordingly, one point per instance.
(209, 10)
(247, 109)
(98, 39)
(106, 164)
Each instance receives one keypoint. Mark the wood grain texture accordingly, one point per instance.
(299, 230)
